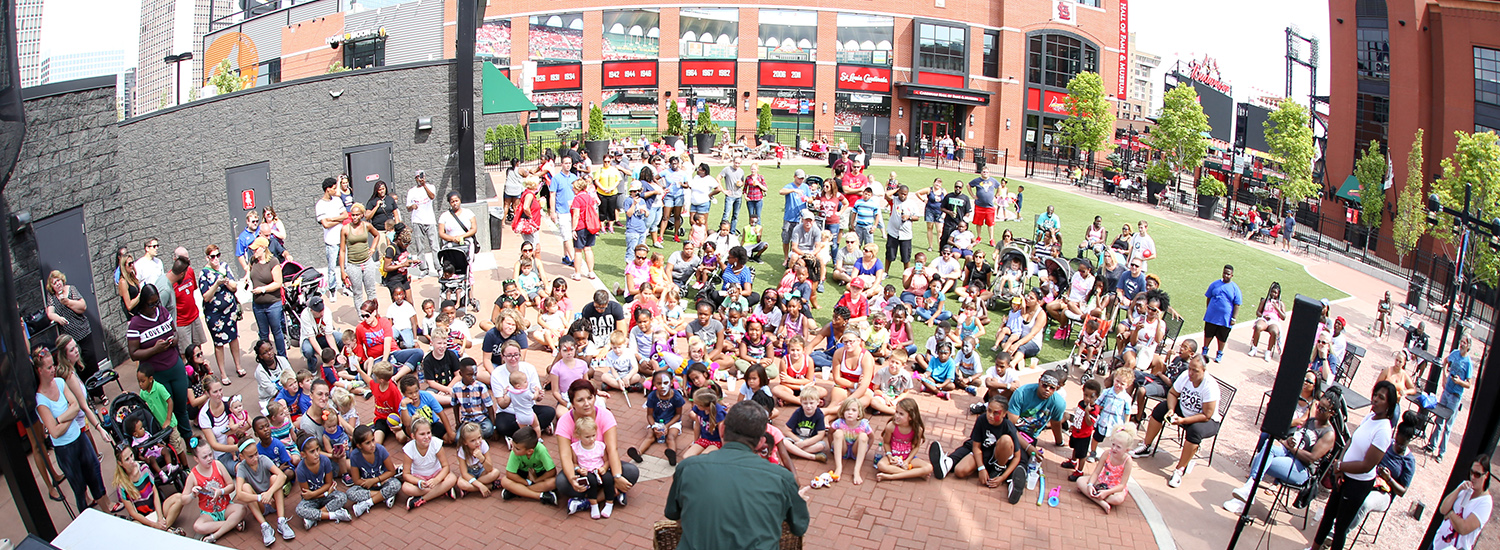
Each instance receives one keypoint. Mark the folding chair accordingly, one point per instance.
(1378, 525)
(1316, 473)
(1221, 411)
(1169, 342)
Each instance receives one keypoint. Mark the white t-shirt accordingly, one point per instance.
(1191, 398)
(428, 464)
(311, 329)
(328, 210)
(417, 196)
(962, 239)
(1142, 246)
(1010, 376)
(1371, 432)
(500, 379)
(1079, 287)
(451, 226)
(1465, 505)
(400, 315)
(148, 269)
(946, 268)
(701, 187)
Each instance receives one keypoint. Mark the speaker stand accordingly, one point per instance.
(1264, 451)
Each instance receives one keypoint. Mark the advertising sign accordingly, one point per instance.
(707, 73)
(786, 74)
(1124, 66)
(940, 79)
(629, 74)
(1065, 12)
(857, 78)
(558, 77)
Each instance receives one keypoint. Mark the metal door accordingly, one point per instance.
(875, 132)
(367, 164)
(249, 189)
(61, 245)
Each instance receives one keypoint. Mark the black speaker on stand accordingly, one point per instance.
(1296, 353)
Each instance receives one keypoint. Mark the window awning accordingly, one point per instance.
(958, 96)
(1349, 191)
(501, 95)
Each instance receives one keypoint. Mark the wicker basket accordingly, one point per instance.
(666, 533)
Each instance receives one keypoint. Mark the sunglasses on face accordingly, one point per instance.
(366, 315)
(215, 255)
(1049, 386)
(153, 245)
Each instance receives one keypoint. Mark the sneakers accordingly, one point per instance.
(285, 529)
(609, 508)
(1219, 357)
(567, 261)
(267, 535)
(1069, 464)
(413, 503)
(1093, 457)
(594, 510)
(1176, 478)
(941, 464)
(454, 493)
(309, 524)
(1234, 506)
(1242, 493)
(1017, 487)
(549, 498)
(976, 408)
(340, 516)
(1253, 352)
(620, 499)
(348, 480)
(943, 395)
(576, 504)
(1074, 476)
(390, 502)
(1141, 451)
(971, 390)
(360, 508)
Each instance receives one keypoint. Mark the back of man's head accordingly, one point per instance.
(745, 423)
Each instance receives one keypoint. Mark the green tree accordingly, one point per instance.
(1475, 162)
(1370, 171)
(674, 121)
(763, 127)
(597, 129)
(1181, 133)
(1289, 133)
(1090, 126)
(337, 67)
(226, 79)
(1409, 222)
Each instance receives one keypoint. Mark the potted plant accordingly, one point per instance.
(674, 131)
(1157, 177)
(763, 124)
(707, 131)
(1115, 164)
(1209, 191)
(596, 136)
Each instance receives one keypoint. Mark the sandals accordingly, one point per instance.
(56, 489)
(224, 381)
(239, 371)
(117, 508)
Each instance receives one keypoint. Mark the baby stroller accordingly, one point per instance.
(1002, 292)
(1098, 339)
(298, 287)
(456, 281)
(122, 411)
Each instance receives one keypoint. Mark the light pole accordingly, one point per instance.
(176, 62)
(1468, 223)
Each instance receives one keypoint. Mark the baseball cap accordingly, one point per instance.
(260, 242)
(1017, 302)
(635, 185)
(799, 174)
(316, 304)
(856, 283)
(808, 215)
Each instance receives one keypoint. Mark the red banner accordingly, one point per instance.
(707, 73)
(786, 74)
(1056, 103)
(940, 79)
(558, 77)
(856, 78)
(1124, 66)
(629, 74)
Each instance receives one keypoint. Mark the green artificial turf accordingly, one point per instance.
(1187, 261)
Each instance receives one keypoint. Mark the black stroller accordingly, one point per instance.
(123, 410)
(300, 285)
(456, 281)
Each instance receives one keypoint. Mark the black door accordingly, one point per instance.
(61, 245)
(249, 189)
(367, 164)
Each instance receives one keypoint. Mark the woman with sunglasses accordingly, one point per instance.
(127, 286)
(374, 336)
(1355, 471)
(1288, 461)
(1466, 509)
(61, 412)
(220, 307)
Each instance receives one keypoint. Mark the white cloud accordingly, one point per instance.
(81, 26)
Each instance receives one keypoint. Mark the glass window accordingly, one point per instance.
(1487, 76)
(1053, 59)
(364, 53)
(788, 35)
(631, 34)
(865, 39)
(557, 37)
(941, 48)
(1374, 53)
(1373, 117)
(992, 54)
(709, 33)
(269, 73)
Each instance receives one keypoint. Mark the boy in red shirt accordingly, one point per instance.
(855, 300)
(1082, 425)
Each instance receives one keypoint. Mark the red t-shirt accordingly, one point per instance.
(1086, 427)
(370, 341)
(386, 400)
(187, 308)
(859, 306)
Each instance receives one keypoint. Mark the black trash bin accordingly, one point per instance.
(1414, 291)
(979, 160)
(497, 227)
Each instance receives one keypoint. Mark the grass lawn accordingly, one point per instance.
(1188, 259)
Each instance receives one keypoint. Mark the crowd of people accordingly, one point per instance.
(691, 331)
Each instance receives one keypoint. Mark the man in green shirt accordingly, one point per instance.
(733, 498)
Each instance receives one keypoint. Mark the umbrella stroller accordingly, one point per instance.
(123, 412)
(456, 281)
(299, 286)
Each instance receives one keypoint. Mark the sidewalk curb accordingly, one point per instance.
(1153, 516)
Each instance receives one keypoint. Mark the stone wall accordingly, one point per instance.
(162, 175)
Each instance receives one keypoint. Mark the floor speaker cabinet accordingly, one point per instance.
(1296, 354)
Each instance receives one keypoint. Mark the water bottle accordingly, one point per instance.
(1033, 471)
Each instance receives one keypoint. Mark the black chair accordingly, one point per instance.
(1345, 376)
(1378, 525)
(1339, 421)
(1169, 342)
(1221, 412)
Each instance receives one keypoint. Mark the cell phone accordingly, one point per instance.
(1100, 487)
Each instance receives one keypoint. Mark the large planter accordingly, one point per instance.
(670, 140)
(705, 143)
(597, 150)
(1153, 190)
(1206, 206)
(1109, 173)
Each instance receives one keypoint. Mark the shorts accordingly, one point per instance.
(894, 245)
(1211, 331)
(1029, 349)
(217, 516)
(704, 443)
(670, 201)
(476, 470)
(1080, 446)
(963, 252)
(582, 238)
(191, 336)
(701, 208)
(174, 440)
(786, 231)
(932, 215)
(984, 215)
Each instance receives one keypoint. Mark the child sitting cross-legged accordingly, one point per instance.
(808, 436)
(900, 438)
(708, 412)
(529, 472)
(427, 475)
(476, 474)
(1106, 486)
(374, 471)
(939, 378)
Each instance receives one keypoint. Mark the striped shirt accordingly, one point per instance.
(865, 212)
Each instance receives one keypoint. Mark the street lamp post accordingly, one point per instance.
(176, 62)
(1468, 223)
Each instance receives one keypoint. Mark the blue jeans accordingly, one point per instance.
(1439, 437)
(1282, 466)
(653, 219)
(864, 232)
(268, 323)
(633, 238)
(330, 277)
(406, 338)
(833, 255)
(923, 314)
(311, 355)
(731, 204)
(409, 357)
(752, 209)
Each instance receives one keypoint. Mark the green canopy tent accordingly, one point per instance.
(501, 95)
(1349, 191)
